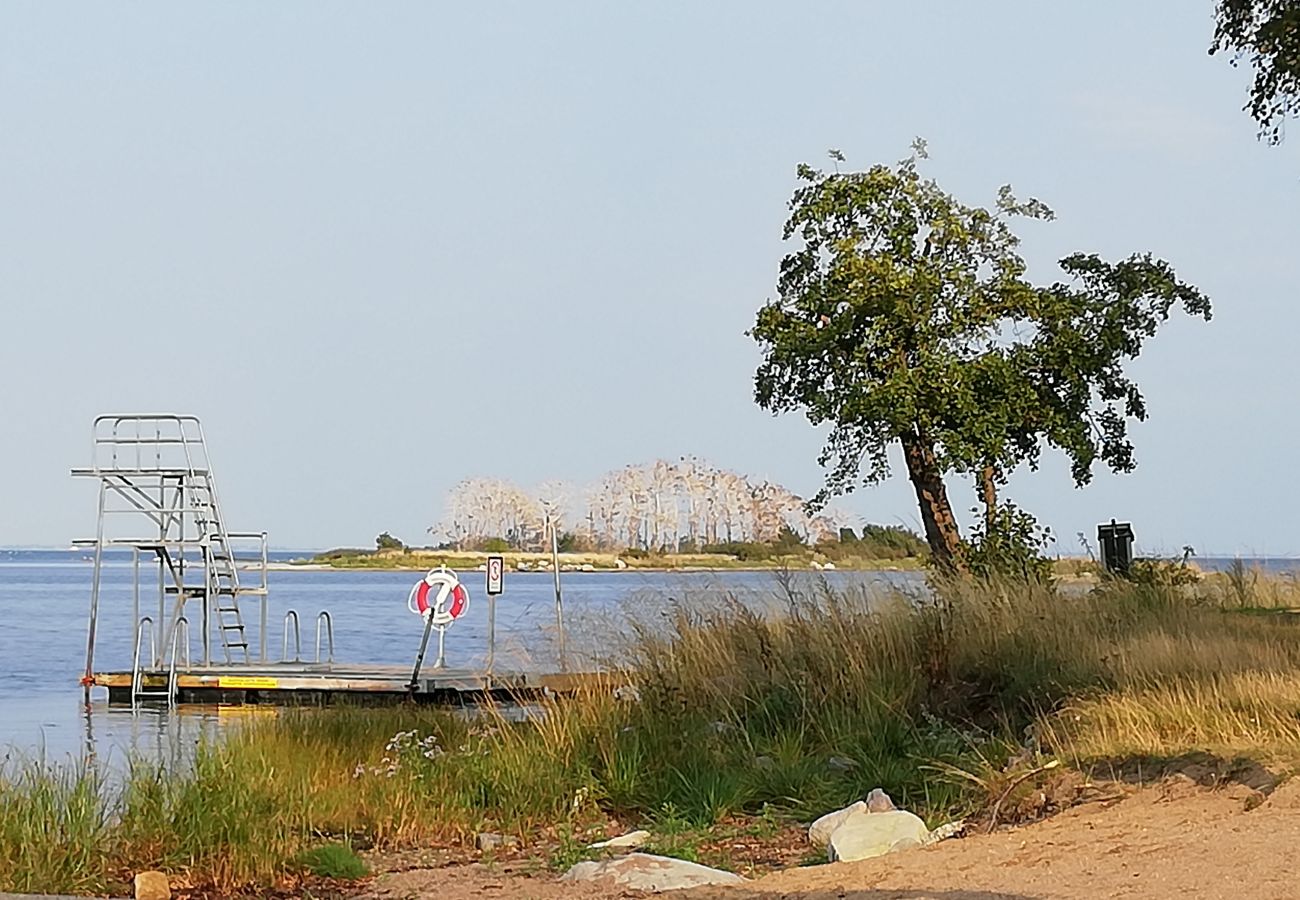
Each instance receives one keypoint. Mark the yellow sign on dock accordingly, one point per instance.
(254, 682)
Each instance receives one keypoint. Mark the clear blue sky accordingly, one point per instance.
(382, 247)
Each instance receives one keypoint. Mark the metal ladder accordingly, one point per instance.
(220, 567)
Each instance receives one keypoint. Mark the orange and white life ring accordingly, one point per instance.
(449, 603)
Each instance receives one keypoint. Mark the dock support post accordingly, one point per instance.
(93, 625)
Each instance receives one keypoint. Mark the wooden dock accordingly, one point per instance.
(319, 683)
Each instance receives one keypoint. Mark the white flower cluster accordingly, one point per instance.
(401, 746)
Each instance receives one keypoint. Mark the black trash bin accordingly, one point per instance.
(1116, 546)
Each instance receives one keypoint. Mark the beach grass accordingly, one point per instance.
(724, 714)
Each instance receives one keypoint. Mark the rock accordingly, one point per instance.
(152, 886)
(841, 763)
(819, 833)
(619, 564)
(764, 763)
(630, 841)
(878, 801)
(488, 841)
(646, 872)
(874, 834)
(588, 567)
(948, 830)
(816, 566)
(829, 567)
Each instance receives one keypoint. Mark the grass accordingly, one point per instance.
(333, 861)
(739, 718)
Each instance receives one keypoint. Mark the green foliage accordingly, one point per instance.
(386, 541)
(569, 542)
(494, 545)
(904, 316)
(1013, 547)
(1267, 33)
(334, 861)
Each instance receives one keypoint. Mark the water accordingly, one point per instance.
(44, 596)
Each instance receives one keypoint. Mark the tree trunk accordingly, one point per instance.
(989, 494)
(932, 496)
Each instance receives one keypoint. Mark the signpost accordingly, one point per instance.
(496, 567)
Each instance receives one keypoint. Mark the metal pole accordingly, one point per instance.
(135, 585)
(419, 657)
(559, 597)
(93, 625)
(265, 592)
(492, 631)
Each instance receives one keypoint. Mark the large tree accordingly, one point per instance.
(904, 318)
(1267, 33)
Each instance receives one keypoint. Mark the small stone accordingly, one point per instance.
(630, 841)
(819, 833)
(152, 886)
(488, 841)
(841, 763)
(945, 831)
(764, 763)
(588, 567)
(646, 872)
(619, 564)
(875, 834)
(830, 567)
(878, 801)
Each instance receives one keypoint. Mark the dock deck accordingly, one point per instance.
(314, 683)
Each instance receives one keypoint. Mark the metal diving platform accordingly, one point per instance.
(158, 500)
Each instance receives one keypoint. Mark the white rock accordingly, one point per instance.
(830, 566)
(619, 564)
(946, 831)
(588, 567)
(819, 833)
(645, 872)
(488, 841)
(631, 840)
(841, 763)
(875, 834)
(816, 566)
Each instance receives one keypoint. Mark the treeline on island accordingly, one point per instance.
(679, 509)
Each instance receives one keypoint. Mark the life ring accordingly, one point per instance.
(449, 603)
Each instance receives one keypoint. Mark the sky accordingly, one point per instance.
(383, 247)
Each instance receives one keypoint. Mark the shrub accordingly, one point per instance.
(333, 861)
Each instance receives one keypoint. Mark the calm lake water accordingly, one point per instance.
(44, 596)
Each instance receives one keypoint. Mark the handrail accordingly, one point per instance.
(324, 617)
(136, 675)
(182, 623)
(297, 638)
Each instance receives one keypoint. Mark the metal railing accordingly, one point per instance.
(324, 618)
(297, 638)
